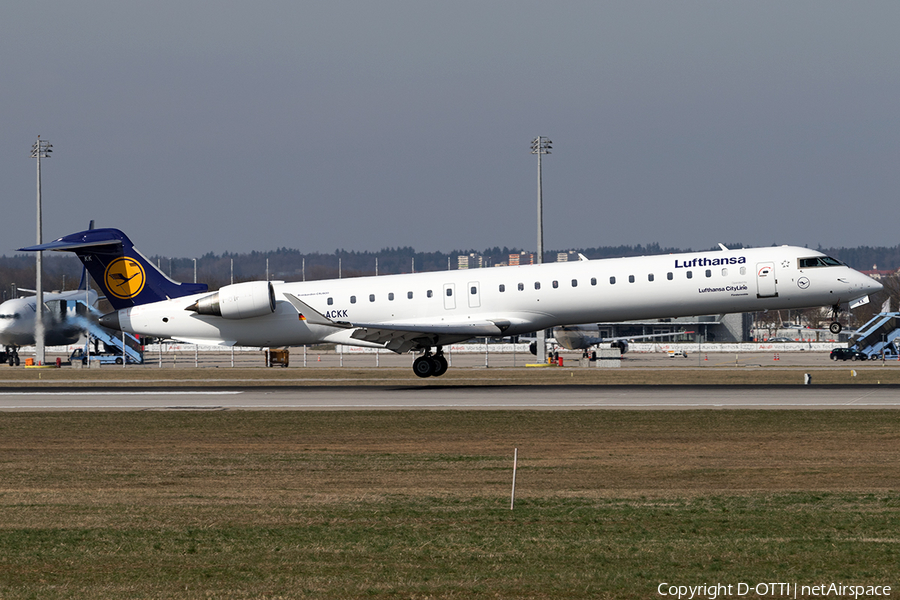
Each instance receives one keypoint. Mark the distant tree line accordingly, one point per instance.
(63, 271)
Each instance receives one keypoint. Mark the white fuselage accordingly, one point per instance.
(525, 298)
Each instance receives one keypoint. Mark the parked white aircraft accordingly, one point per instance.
(63, 316)
(423, 312)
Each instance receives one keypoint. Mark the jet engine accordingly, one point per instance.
(238, 301)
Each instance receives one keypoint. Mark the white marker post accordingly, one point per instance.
(512, 501)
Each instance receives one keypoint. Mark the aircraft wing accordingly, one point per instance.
(574, 339)
(400, 336)
(642, 337)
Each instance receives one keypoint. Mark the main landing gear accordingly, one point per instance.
(835, 326)
(430, 365)
(12, 356)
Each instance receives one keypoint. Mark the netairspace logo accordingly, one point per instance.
(713, 591)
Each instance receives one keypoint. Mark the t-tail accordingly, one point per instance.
(123, 274)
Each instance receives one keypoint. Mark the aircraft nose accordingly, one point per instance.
(870, 285)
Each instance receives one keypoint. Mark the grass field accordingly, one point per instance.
(417, 504)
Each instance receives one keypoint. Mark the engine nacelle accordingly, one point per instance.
(238, 301)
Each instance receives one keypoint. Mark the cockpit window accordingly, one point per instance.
(820, 261)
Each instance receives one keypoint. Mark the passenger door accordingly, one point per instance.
(474, 294)
(449, 296)
(765, 280)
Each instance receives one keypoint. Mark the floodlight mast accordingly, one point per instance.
(540, 145)
(40, 149)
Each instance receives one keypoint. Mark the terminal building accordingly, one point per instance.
(710, 328)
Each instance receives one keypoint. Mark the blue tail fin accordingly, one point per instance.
(125, 277)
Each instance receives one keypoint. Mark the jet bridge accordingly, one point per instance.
(879, 335)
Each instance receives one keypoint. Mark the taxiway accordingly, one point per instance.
(551, 397)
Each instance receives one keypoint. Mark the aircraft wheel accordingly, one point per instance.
(835, 327)
(423, 366)
(440, 365)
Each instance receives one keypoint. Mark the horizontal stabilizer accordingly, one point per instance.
(64, 244)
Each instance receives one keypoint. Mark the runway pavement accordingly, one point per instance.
(570, 397)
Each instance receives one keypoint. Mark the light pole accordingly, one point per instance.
(540, 146)
(40, 149)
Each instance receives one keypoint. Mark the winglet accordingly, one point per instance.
(311, 315)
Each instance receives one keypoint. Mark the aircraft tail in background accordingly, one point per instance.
(123, 274)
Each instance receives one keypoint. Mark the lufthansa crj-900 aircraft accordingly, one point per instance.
(423, 312)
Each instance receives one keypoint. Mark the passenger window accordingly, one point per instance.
(612, 280)
(429, 294)
(574, 283)
(449, 291)
(743, 270)
(593, 281)
(352, 299)
(555, 284)
(650, 277)
(724, 272)
(330, 301)
(709, 273)
(631, 279)
(409, 295)
(473, 290)
(521, 287)
(391, 296)
(371, 297)
(669, 276)
(537, 285)
(690, 274)
(502, 288)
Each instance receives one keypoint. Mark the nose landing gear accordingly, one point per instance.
(835, 326)
(430, 365)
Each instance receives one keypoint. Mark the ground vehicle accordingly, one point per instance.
(847, 354)
(103, 359)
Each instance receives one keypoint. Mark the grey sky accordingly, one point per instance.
(226, 126)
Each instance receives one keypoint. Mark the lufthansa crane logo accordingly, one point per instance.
(124, 278)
